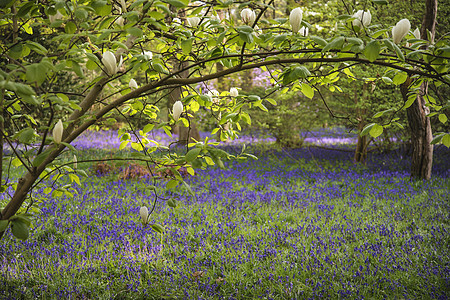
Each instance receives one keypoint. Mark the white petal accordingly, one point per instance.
(143, 212)
(295, 19)
(58, 132)
(177, 109)
(109, 61)
(133, 84)
(234, 92)
(416, 33)
(400, 30)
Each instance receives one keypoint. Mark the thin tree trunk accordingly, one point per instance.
(185, 134)
(361, 145)
(419, 123)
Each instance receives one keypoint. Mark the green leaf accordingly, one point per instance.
(36, 47)
(192, 154)
(366, 129)
(319, 41)
(443, 118)
(437, 138)
(188, 188)
(372, 50)
(137, 32)
(3, 225)
(158, 228)
(246, 37)
(335, 44)
(148, 128)
(381, 113)
(36, 73)
(380, 2)
(19, 229)
(354, 41)
(177, 3)
(41, 157)
(172, 183)
(376, 130)
(172, 203)
(26, 136)
(70, 28)
(399, 52)
(446, 140)
(186, 46)
(300, 72)
(399, 78)
(279, 39)
(307, 90)
(387, 80)
(159, 68)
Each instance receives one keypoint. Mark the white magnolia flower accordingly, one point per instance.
(147, 55)
(119, 21)
(133, 84)
(143, 212)
(304, 31)
(176, 21)
(234, 92)
(55, 17)
(416, 33)
(110, 62)
(193, 22)
(362, 18)
(58, 132)
(257, 31)
(177, 109)
(400, 30)
(214, 95)
(248, 16)
(295, 18)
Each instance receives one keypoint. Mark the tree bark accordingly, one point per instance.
(361, 145)
(419, 123)
(185, 134)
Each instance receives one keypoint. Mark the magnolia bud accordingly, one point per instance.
(75, 162)
(304, 31)
(119, 21)
(55, 17)
(248, 16)
(177, 110)
(234, 92)
(400, 30)
(58, 132)
(295, 18)
(193, 22)
(147, 55)
(133, 84)
(143, 212)
(362, 18)
(416, 33)
(110, 62)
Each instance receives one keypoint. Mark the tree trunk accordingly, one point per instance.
(185, 135)
(421, 135)
(419, 123)
(361, 145)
